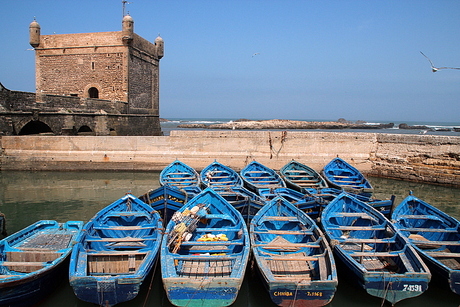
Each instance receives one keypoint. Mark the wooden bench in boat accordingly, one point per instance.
(375, 254)
(365, 241)
(281, 218)
(180, 178)
(285, 232)
(436, 243)
(295, 270)
(447, 230)
(294, 258)
(123, 227)
(443, 254)
(421, 217)
(23, 266)
(286, 245)
(364, 228)
(122, 262)
(115, 253)
(47, 241)
(211, 243)
(219, 182)
(200, 230)
(204, 257)
(128, 214)
(124, 239)
(202, 269)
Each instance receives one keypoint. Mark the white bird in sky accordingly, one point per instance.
(257, 53)
(435, 69)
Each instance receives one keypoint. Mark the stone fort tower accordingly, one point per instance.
(99, 83)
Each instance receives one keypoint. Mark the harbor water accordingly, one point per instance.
(26, 197)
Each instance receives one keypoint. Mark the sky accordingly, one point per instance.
(267, 59)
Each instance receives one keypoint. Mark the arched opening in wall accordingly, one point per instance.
(85, 130)
(93, 92)
(35, 127)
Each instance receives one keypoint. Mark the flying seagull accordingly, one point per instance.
(435, 69)
(257, 53)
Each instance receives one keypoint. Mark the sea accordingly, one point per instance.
(432, 128)
(26, 197)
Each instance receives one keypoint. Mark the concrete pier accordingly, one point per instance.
(421, 158)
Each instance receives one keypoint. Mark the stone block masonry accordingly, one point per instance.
(421, 158)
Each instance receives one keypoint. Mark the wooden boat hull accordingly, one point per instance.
(183, 292)
(116, 253)
(217, 175)
(258, 176)
(243, 200)
(33, 288)
(295, 261)
(326, 195)
(379, 257)
(287, 295)
(299, 177)
(182, 176)
(391, 287)
(434, 234)
(342, 175)
(198, 270)
(29, 272)
(166, 200)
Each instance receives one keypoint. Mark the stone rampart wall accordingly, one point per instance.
(422, 158)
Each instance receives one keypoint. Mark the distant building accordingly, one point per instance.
(104, 83)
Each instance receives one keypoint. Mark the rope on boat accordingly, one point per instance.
(151, 282)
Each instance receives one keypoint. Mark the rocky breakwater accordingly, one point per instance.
(419, 158)
(281, 124)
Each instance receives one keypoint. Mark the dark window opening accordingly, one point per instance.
(93, 93)
(84, 129)
(35, 127)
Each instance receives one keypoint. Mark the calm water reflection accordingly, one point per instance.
(26, 197)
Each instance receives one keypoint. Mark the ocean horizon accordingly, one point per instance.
(433, 128)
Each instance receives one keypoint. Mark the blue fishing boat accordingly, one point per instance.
(378, 256)
(326, 195)
(116, 252)
(299, 177)
(342, 175)
(258, 176)
(204, 252)
(219, 175)
(435, 235)
(294, 259)
(243, 200)
(166, 200)
(182, 176)
(34, 260)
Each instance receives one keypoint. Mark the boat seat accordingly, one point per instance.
(416, 229)
(203, 257)
(24, 267)
(123, 227)
(127, 214)
(125, 239)
(281, 218)
(285, 232)
(375, 254)
(364, 228)
(420, 217)
(219, 216)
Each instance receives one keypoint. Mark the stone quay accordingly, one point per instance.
(418, 158)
